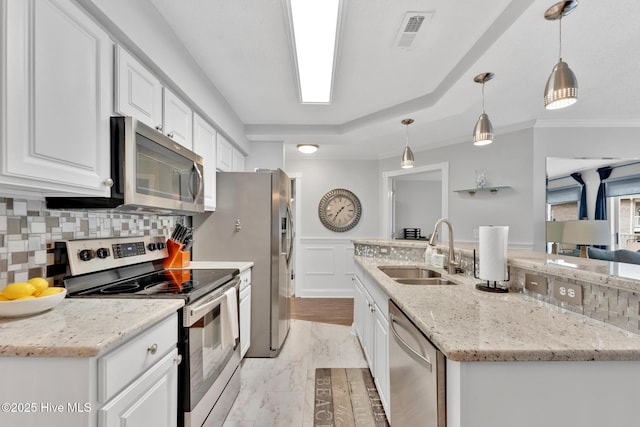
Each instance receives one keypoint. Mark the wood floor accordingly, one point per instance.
(337, 311)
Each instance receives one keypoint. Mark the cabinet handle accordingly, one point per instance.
(178, 359)
(153, 349)
(170, 134)
(159, 128)
(108, 182)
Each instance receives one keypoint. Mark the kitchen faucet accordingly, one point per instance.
(432, 241)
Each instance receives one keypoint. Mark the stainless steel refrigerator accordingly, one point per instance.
(252, 222)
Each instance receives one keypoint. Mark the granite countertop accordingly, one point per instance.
(468, 325)
(212, 265)
(81, 327)
(612, 274)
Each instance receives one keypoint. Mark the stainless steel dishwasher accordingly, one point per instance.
(417, 375)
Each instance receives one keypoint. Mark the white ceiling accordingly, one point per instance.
(244, 47)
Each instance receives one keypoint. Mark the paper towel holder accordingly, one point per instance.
(488, 286)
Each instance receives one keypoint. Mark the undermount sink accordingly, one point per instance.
(424, 281)
(408, 272)
(408, 275)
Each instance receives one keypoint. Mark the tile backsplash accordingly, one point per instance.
(27, 227)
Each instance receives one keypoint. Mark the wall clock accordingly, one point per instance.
(339, 210)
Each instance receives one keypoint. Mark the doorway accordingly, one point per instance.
(414, 198)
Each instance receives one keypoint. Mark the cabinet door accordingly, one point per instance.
(151, 400)
(138, 92)
(238, 161)
(204, 143)
(245, 320)
(225, 154)
(178, 120)
(364, 317)
(58, 95)
(381, 359)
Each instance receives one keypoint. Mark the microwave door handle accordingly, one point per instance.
(200, 182)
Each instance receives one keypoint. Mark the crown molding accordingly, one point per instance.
(581, 123)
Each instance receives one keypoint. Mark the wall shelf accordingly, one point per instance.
(492, 190)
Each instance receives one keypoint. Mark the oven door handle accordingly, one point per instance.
(195, 313)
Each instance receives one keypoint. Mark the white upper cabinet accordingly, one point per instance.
(178, 120)
(225, 154)
(238, 160)
(138, 92)
(230, 159)
(204, 143)
(141, 95)
(57, 76)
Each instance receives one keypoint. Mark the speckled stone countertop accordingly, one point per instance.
(468, 325)
(613, 274)
(81, 327)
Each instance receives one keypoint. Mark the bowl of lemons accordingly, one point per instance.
(28, 298)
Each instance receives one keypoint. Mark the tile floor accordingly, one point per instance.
(279, 392)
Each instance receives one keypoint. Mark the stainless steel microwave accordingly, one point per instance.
(150, 173)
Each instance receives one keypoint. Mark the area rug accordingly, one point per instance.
(346, 398)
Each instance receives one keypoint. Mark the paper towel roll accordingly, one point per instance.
(493, 253)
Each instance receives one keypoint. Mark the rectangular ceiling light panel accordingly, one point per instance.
(315, 24)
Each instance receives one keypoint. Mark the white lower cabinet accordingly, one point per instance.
(151, 400)
(370, 318)
(245, 311)
(133, 385)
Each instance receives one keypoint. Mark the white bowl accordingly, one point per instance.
(28, 307)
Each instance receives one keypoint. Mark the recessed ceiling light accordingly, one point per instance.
(307, 148)
(315, 24)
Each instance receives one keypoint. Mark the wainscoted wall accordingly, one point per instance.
(325, 268)
(26, 228)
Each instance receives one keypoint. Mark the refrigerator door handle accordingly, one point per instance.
(290, 234)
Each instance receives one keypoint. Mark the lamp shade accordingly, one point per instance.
(554, 231)
(562, 87)
(407, 158)
(586, 232)
(483, 131)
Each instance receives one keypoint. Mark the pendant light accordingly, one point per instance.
(407, 155)
(483, 130)
(562, 86)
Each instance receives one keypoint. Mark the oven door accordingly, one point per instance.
(211, 355)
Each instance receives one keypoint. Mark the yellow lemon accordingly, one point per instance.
(27, 297)
(17, 290)
(50, 291)
(3, 298)
(39, 283)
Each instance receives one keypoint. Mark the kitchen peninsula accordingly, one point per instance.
(510, 355)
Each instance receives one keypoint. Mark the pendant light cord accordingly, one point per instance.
(483, 97)
(560, 48)
(407, 125)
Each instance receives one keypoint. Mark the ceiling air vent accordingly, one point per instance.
(410, 27)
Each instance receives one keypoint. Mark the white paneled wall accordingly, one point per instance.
(325, 268)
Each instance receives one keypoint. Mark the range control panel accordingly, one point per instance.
(91, 255)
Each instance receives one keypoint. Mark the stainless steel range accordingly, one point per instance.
(209, 375)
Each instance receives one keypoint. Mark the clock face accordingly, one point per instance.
(339, 210)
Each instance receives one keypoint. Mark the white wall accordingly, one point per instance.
(265, 155)
(418, 205)
(508, 163)
(325, 258)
